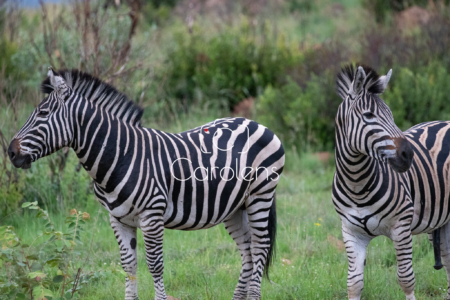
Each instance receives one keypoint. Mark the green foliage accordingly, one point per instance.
(381, 8)
(7, 50)
(57, 181)
(236, 63)
(421, 96)
(11, 189)
(159, 3)
(44, 269)
(300, 5)
(303, 117)
(157, 13)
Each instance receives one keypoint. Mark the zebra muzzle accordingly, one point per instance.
(17, 159)
(437, 249)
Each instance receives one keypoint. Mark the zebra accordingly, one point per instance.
(225, 171)
(388, 182)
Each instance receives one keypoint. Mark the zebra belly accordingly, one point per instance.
(219, 203)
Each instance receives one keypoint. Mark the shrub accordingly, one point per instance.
(234, 64)
(57, 181)
(156, 12)
(7, 51)
(303, 117)
(300, 5)
(380, 8)
(10, 195)
(385, 47)
(45, 268)
(421, 96)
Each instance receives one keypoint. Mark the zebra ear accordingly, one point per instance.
(59, 85)
(360, 76)
(384, 80)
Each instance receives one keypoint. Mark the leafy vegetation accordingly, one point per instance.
(44, 269)
(236, 63)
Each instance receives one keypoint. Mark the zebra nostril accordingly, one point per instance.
(11, 153)
(404, 155)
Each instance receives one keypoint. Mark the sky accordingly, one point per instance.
(34, 3)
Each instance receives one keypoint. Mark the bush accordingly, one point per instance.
(7, 51)
(380, 8)
(11, 189)
(303, 117)
(385, 47)
(156, 12)
(236, 63)
(421, 96)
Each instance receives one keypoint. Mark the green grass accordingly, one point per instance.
(310, 262)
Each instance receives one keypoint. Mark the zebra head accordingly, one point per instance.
(365, 124)
(47, 129)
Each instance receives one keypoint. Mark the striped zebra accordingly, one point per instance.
(388, 182)
(225, 171)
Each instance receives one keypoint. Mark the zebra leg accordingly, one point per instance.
(356, 245)
(152, 227)
(258, 209)
(445, 253)
(239, 229)
(126, 237)
(405, 273)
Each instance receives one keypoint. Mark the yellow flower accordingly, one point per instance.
(320, 219)
(317, 224)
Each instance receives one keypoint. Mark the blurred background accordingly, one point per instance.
(188, 62)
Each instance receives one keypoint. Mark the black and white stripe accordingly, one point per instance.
(387, 182)
(223, 172)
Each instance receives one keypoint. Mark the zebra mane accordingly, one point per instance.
(97, 91)
(371, 84)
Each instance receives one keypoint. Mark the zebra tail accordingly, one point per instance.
(272, 227)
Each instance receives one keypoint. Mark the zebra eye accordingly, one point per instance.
(43, 113)
(368, 115)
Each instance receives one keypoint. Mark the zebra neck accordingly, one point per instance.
(358, 174)
(104, 144)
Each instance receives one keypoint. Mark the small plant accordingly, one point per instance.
(44, 269)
